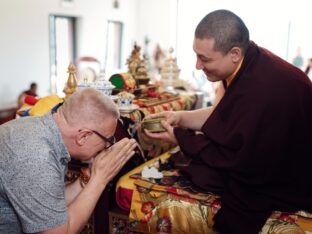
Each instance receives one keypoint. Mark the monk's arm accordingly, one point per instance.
(195, 119)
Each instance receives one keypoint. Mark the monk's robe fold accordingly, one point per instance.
(257, 144)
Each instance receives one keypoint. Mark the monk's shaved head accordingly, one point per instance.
(88, 107)
(226, 28)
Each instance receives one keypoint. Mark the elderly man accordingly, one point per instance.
(33, 161)
(256, 145)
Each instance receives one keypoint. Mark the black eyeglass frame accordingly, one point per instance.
(111, 140)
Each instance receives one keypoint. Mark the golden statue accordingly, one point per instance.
(137, 66)
(134, 60)
(141, 72)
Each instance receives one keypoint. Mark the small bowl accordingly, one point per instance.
(124, 101)
(103, 86)
(107, 91)
(153, 125)
(82, 86)
(125, 98)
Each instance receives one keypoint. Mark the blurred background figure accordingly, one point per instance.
(308, 69)
(298, 60)
(159, 57)
(32, 91)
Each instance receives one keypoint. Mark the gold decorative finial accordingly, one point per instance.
(71, 84)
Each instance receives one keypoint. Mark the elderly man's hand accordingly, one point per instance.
(108, 163)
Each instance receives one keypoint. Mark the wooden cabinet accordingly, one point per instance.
(7, 114)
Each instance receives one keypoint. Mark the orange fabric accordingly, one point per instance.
(231, 77)
(305, 223)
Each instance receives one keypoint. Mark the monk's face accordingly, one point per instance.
(215, 64)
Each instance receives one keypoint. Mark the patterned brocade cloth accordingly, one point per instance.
(171, 205)
(158, 210)
(185, 102)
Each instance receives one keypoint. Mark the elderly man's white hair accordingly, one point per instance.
(89, 106)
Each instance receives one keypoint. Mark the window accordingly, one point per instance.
(113, 45)
(62, 50)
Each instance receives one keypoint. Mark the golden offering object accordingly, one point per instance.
(134, 60)
(137, 66)
(124, 81)
(141, 74)
(71, 84)
(153, 125)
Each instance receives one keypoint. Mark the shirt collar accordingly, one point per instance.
(56, 138)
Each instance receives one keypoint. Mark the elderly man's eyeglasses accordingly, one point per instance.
(109, 141)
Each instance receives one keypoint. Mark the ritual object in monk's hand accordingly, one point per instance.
(153, 125)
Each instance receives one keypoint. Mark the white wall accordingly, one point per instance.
(157, 21)
(24, 39)
(24, 32)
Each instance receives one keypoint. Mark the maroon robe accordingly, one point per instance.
(256, 150)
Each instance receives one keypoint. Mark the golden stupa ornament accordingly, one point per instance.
(137, 66)
(71, 84)
(170, 71)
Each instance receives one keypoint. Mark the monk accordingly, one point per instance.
(255, 143)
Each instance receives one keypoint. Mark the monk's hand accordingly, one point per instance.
(167, 135)
(108, 162)
(171, 117)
